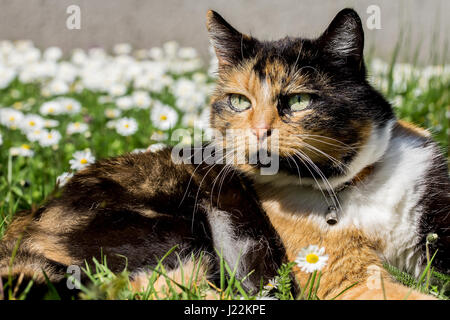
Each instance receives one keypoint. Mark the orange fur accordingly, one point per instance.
(352, 257)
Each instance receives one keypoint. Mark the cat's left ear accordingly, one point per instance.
(230, 45)
(344, 38)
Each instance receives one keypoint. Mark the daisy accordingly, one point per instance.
(53, 54)
(122, 49)
(189, 119)
(164, 117)
(156, 147)
(111, 124)
(32, 122)
(117, 90)
(125, 103)
(141, 99)
(50, 138)
(23, 151)
(36, 134)
(50, 123)
(55, 87)
(7, 75)
(11, 118)
(52, 108)
(111, 113)
(126, 126)
(63, 178)
(272, 284)
(81, 159)
(311, 258)
(139, 150)
(70, 106)
(159, 135)
(76, 127)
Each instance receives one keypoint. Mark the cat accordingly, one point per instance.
(310, 91)
(352, 178)
(140, 206)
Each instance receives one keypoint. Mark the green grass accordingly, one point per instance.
(419, 94)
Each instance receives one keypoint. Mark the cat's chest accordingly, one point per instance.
(299, 215)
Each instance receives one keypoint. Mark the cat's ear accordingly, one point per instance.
(230, 45)
(344, 38)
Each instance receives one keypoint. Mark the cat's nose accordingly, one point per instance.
(261, 132)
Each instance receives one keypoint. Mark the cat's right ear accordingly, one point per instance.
(230, 45)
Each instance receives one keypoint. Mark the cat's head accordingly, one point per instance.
(312, 92)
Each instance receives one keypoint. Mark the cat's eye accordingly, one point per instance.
(298, 102)
(239, 102)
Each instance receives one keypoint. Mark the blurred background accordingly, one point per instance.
(423, 25)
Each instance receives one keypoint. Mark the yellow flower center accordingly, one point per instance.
(83, 161)
(163, 117)
(51, 110)
(25, 146)
(49, 136)
(312, 258)
(11, 118)
(126, 125)
(69, 107)
(32, 123)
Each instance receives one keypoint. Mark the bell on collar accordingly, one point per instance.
(332, 215)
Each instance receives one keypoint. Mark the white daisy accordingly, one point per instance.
(53, 54)
(69, 105)
(81, 159)
(117, 90)
(159, 135)
(122, 49)
(126, 126)
(55, 87)
(141, 99)
(7, 75)
(111, 113)
(272, 284)
(50, 123)
(76, 127)
(125, 103)
(52, 108)
(111, 124)
(11, 118)
(35, 135)
(23, 151)
(63, 178)
(156, 147)
(164, 117)
(31, 122)
(311, 258)
(139, 150)
(50, 138)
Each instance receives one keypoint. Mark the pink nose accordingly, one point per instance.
(261, 132)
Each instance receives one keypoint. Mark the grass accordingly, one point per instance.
(419, 94)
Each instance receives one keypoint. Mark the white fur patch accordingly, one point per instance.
(385, 206)
(231, 247)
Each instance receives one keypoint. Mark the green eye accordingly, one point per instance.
(239, 102)
(299, 102)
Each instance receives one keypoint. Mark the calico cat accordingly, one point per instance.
(352, 178)
(343, 158)
(140, 206)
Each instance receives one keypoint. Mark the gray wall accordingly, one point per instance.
(150, 23)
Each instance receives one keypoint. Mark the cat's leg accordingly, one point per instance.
(193, 273)
(19, 267)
